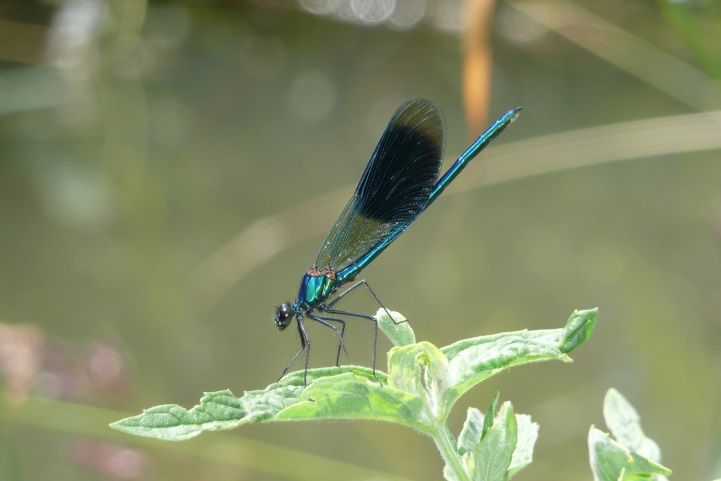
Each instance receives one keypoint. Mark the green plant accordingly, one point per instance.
(421, 386)
(631, 456)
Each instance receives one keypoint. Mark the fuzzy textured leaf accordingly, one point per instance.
(472, 431)
(216, 411)
(625, 425)
(400, 332)
(492, 456)
(477, 426)
(422, 370)
(631, 456)
(578, 328)
(527, 436)
(222, 410)
(422, 384)
(472, 361)
(612, 461)
(346, 396)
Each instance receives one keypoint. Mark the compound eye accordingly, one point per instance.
(283, 316)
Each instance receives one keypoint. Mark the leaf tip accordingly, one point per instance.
(127, 425)
(578, 328)
(117, 425)
(396, 327)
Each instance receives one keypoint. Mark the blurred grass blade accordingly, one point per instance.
(267, 236)
(262, 240)
(688, 20)
(637, 139)
(625, 50)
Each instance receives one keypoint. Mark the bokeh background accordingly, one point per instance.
(168, 169)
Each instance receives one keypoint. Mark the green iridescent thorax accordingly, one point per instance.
(316, 286)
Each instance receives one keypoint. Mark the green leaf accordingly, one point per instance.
(625, 425)
(400, 332)
(527, 436)
(631, 456)
(486, 447)
(612, 461)
(421, 385)
(492, 456)
(422, 370)
(348, 396)
(216, 411)
(472, 361)
(578, 328)
(469, 439)
(474, 432)
(450, 475)
(347, 392)
(488, 420)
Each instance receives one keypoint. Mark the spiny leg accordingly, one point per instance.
(328, 310)
(341, 339)
(363, 282)
(304, 346)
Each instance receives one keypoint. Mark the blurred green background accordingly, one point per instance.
(167, 171)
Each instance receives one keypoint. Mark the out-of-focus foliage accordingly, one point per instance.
(422, 384)
(631, 455)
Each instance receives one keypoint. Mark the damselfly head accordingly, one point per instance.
(283, 315)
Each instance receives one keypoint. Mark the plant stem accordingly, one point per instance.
(445, 442)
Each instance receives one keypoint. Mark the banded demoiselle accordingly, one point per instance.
(400, 181)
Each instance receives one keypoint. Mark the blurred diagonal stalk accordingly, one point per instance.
(262, 240)
(684, 17)
(626, 51)
(638, 139)
(477, 62)
(258, 456)
(266, 237)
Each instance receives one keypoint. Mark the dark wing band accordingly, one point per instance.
(395, 185)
